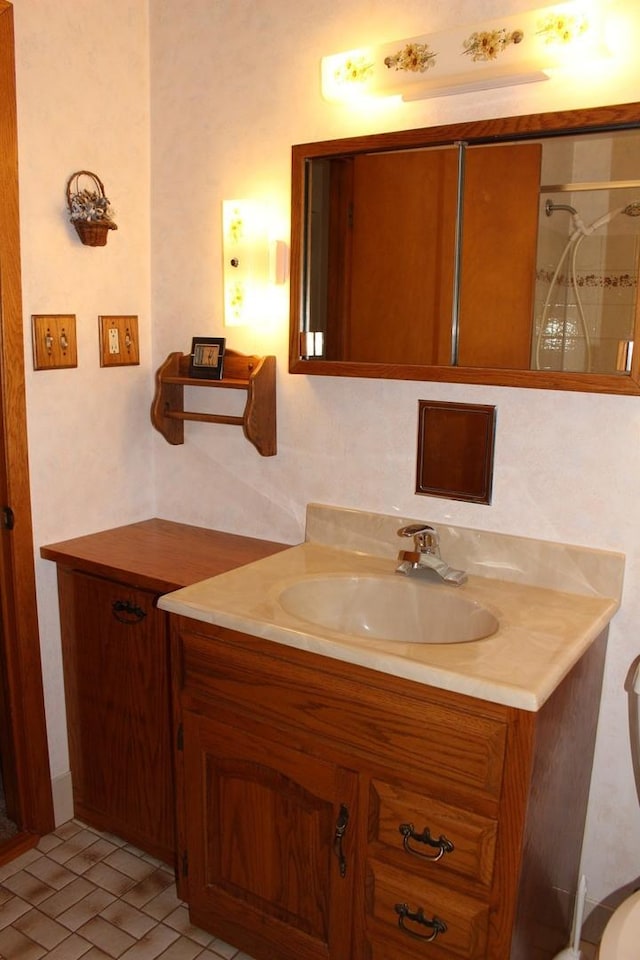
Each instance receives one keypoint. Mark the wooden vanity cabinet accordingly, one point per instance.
(115, 648)
(116, 668)
(330, 811)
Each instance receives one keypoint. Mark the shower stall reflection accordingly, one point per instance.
(588, 256)
(586, 318)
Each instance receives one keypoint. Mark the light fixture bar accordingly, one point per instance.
(463, 85)
(512, 50)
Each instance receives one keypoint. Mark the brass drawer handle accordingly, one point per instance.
(127, 612)
(442, 845)
(435, 925)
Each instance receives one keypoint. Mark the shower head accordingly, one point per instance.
(550, 207)
(631, 210)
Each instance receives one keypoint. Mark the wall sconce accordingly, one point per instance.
(251, 261)
(246, 259)
(515, 49)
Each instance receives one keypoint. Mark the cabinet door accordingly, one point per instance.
(404, 208)
(115, 649)
(499, 241)
(270, 835)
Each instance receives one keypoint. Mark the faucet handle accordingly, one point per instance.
(425, 536)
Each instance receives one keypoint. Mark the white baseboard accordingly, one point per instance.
(62, 798)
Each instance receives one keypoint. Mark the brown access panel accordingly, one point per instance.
(455, 450)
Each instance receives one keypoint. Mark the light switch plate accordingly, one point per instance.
(118, 341)
(54, 341)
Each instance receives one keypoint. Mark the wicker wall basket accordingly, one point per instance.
(92, 234)
(89, 202)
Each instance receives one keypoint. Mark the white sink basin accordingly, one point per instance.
(388, 608)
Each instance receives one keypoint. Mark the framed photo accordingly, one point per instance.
(207, 358)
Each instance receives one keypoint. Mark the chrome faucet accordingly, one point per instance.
(425, 556)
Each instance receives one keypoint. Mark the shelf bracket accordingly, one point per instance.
(255, 375)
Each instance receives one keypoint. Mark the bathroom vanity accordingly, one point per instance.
(356, 798)
(115, 646)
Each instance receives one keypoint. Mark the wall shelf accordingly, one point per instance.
(256, 375)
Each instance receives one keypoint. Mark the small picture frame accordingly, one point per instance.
(207, 358)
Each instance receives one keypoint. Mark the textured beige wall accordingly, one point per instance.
(83, 103)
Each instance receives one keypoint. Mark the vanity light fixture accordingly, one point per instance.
(517, 49)
(251, 261)
(245, 250)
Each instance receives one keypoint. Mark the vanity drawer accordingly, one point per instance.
(392, 935)
(400, 821)
(303, 692)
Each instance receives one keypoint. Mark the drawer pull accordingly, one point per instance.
(442, 845)
(436, 925)
(127, 612)
(341, 827)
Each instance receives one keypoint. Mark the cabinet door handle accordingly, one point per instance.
(127, 612)
(341, 828)
(435, 925)
(442, 845)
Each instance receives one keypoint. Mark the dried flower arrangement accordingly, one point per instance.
(89, 209)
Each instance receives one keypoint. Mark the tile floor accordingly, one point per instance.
(82, 893)
(85, 894)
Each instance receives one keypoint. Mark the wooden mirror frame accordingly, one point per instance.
(570, 122)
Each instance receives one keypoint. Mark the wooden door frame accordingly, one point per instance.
(19, 638)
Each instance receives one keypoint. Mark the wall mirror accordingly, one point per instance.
(500, 251)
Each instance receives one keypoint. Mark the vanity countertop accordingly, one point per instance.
(543, 631)
(158, 555)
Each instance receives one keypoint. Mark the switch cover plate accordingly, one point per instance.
(54, 341)
(118, 341)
